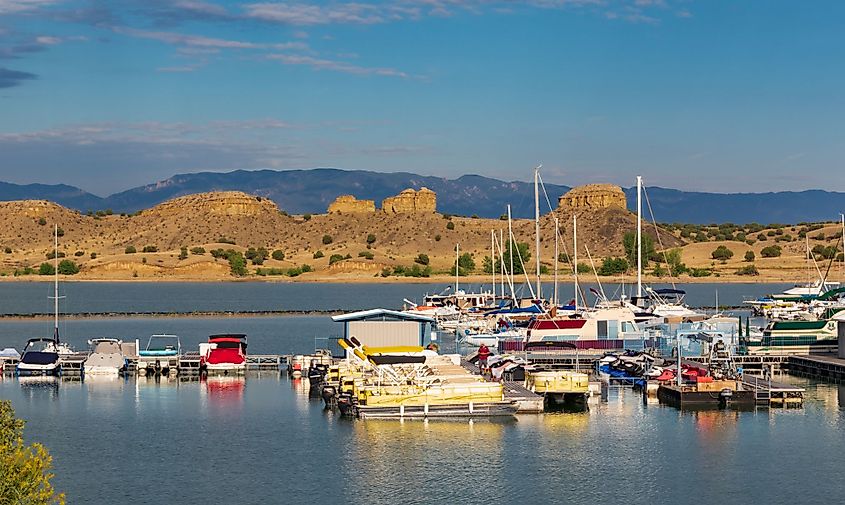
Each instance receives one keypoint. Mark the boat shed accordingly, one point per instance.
(383, 327)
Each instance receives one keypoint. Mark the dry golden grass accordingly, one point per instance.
(202, 220)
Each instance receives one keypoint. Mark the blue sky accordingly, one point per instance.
(709, 95)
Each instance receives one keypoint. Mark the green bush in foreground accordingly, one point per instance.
(24, 469)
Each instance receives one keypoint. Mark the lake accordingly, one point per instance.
(260, 439)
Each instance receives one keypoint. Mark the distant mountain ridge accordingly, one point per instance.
(311, 190)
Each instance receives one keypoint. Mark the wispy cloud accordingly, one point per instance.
(337, 66)
(202, 41)
(10, 78)
(17, 6)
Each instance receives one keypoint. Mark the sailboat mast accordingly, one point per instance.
(493, 260)
(557, 254)
(537, 227)
(575, 255)
(843, 243)
(510, 242)
(56, 282)
(457, 265)
(502, 261)
(639, 236)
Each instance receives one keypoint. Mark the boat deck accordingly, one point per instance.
(528, 402)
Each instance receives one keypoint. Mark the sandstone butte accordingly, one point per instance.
(406, 226)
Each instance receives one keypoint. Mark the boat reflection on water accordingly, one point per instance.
(44, 386)
(225, 390)
(379, 448)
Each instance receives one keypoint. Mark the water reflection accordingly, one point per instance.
(224, 393)
(414, 461)
(40, 387)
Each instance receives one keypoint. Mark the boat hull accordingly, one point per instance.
(28, 369)
(225, 368)
(460, 410)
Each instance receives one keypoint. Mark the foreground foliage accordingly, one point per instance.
(24, 470)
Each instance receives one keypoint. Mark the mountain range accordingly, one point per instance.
(311, 190)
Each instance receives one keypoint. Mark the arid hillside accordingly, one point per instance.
(355, 239)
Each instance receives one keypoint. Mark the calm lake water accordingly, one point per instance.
(32, 297)
(259, 439)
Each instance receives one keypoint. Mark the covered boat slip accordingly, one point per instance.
(386, 328)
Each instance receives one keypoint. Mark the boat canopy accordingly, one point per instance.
(532, 309)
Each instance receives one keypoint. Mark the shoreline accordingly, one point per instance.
(434, 279)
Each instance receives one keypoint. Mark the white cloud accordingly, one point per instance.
(17, 6)
(337, 66)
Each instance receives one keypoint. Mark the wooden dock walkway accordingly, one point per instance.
(772, 393)
(528, 401)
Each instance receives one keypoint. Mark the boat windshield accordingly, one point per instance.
(230, 345)
(44, 345)
(163, 343)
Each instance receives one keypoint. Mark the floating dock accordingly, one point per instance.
(527, 401)
(828, 368)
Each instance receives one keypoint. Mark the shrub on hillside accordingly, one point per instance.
(772, 251)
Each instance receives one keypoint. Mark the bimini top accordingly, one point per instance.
(381, 314)
(227, 337)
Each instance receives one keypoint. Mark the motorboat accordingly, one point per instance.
(225, 354)
(39, 358)
(160, 356)
(106, 357)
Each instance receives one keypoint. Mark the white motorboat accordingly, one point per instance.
(39, 358)
(106, 357)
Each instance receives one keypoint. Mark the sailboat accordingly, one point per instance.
(41, 356)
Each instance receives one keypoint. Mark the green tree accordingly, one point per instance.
(772, 251)
(198, 250)
(722, 253)
(68, 267)
(437, 238)
(42, 221)
(183, 253)
(673, 260)
(237, 264)
(46, 269)
(150, 249)
(278, 255)
(334, 258)
(366, 254)
(24, 470)
(450, 225)
(520, 250)
(748, 270)
(422, 259)
(613, 266)
(629, 242)
(371, 238)
(487, 265)
(317, 255)
(130, 249)
(93, 255)
(465, 262)
(327, 239)
(749, 255)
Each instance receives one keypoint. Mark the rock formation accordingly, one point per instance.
(222, 203)
(410, 201)
(592, 197)
(348, 204)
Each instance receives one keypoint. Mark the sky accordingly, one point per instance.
(709, 95)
